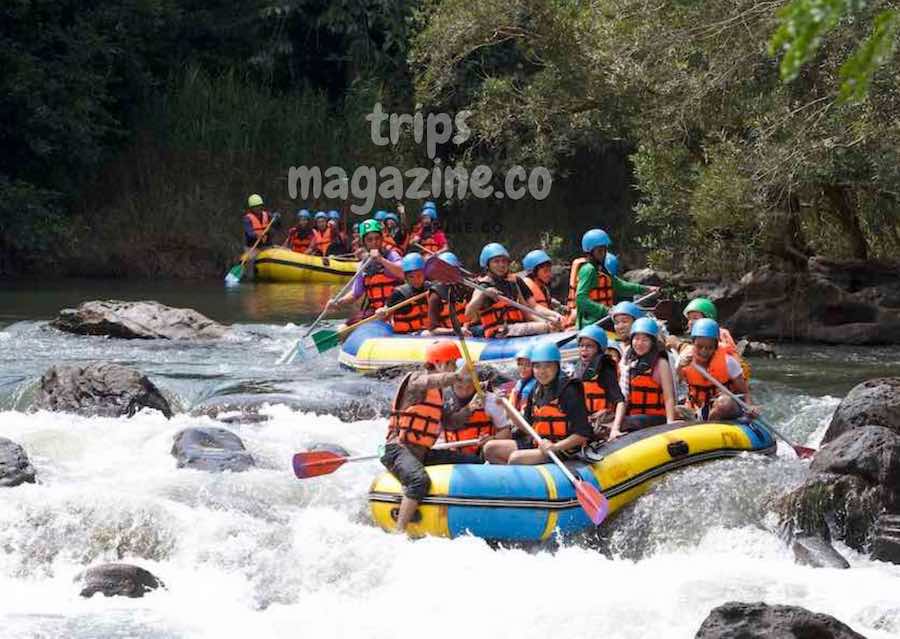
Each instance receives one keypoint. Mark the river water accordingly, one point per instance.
(262, 554)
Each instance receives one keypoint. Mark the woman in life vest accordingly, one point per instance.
(427, 234)
(340, 243)
(538, 275)
(592, 288)
(499, 319)
(599, 376)
(524, 386)
(394, 235)
(623, 316)
(323, 235)
(704, 399)
(415, 424)
(300, 235)
(440, 304)
(255, 220)
(412, 318)
(468, 416)
(700, 308)
(381, 274)
(646, 379)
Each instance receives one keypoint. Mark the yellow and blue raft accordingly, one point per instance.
(532, 503)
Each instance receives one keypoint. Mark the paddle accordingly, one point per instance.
(233, 277)
(288, 356)
(592, 501)
(323, 462)
(327, 339)
(568, 339)
(437, 269)
(802, 451)
(454, 322)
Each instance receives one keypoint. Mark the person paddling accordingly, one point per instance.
(440, 305)
(468, 416)
(255, 221)
(538, 275)
(413, 318)
(381, 275)
(415, 424)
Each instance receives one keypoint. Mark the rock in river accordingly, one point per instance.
(15, 468)
(100, 388)
(211, 449)
(113, 580)
(736, 620)
(137, 320)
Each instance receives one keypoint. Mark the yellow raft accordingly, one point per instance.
(531, 503)
(283, 265)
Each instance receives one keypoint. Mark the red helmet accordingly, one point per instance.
(439, 352)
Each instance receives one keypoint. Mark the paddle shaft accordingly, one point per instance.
(343, 460)
(390, 309)
(340, 293)
(454, 322)
(568, 339)
(744, 406)
(265, 232)
(522, 423)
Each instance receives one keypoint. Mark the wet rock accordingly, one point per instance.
(648, 277)
(886, 544)
(137, 320)
(875, 401)
(748, 348)
(211, 449)
(810, 550)
(854, 480)
(348, 406)
(100, 388)
(15, 468)
(736, 620)
(118, 580)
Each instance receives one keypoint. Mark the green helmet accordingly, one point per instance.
(702, 305)
(369, 226)
(254, 200)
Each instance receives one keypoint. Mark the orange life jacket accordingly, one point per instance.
(540, 292)
(378, 286)
(300, 243)
(459, 306)
(259, 224)
(602, 292)
(499, 314)
(702, 392)
(418, 424)
(478, 425)
(550, 422)
(413, 317)
(645, 396)
(322, 240)
(594, 396)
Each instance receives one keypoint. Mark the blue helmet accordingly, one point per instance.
(431, 213)
(594, 238)
(705, 328)
(534, 259)
(524, 353)
(490, 251)
(545, 351)
(450, 258)
(413, 262)
(646, 326)
(303, 214)
(626, 308)
(429, 205)
(334, 215)
(392, 216)
(380, 215)
(612, 264)
(321, 215)
(595, 333)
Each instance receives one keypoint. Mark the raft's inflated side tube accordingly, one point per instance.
(374, 346)
(284, 265)
(531, 503)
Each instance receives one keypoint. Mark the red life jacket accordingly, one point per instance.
(300, 239)
(413, 317)
(540, 292)
(461, 298)
(418, 424)
(602, 292)
(378, 286)
(259, 224)
(499, 314)
(645, 396)
(478, 425)
(702, 392)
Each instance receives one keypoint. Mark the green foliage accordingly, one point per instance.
(877, 49)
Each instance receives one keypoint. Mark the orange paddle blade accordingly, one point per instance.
(316, 463)
(593, 502)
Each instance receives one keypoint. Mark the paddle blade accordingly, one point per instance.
(437, 270)
(664, 310)
(316, 463)
(592, 501)
(233, 277)
(805, 453)
(325, 340)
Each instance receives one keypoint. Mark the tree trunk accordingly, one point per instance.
(844, 210)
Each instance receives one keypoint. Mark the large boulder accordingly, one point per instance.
(211, 449)
(875, 401)
(851, 493)
(15, 468)
(736, 620)
(100, 388)
(117, 580)
(137, 320)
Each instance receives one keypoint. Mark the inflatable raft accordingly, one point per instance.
(374, 346)
(532, 503)
(283, 265)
